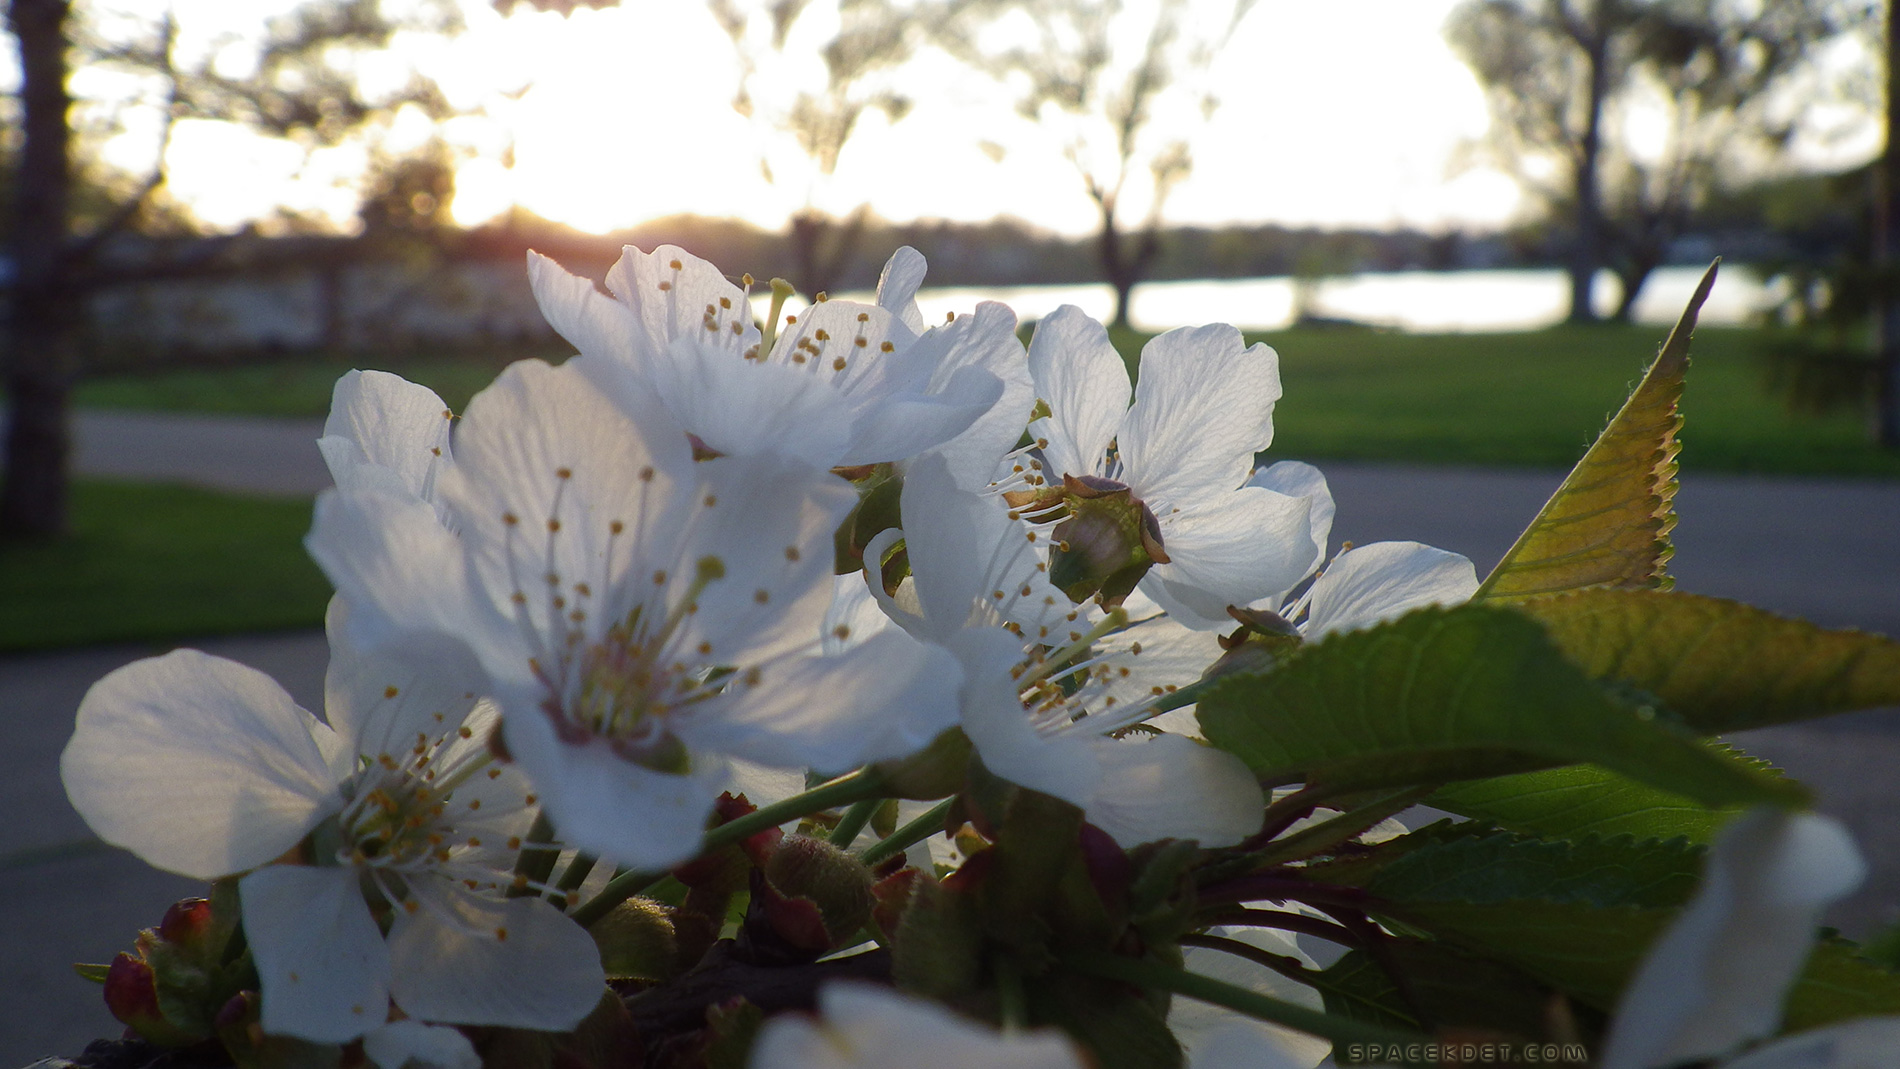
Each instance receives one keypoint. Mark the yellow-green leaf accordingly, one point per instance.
(1609, 523)
(1721, 665)
(1455, 694)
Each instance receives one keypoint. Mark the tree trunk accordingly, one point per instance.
(1887, 256)
(822, 247)
(1587, 254)
(1632, 276)
(43, 327)
(1120, 268)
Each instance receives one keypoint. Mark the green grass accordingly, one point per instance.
(1539, 399)
(1522, 399)
(152, 562)
(290, 387)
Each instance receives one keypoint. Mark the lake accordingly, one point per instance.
(1419, 301)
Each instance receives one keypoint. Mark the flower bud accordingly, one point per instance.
(636, 941)
(832, 882)
(187, 926)
(132, 995)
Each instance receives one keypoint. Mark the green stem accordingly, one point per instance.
(853, 821)
(1152, 974)
(1012, 1000)
(914, 832)
(847, 789)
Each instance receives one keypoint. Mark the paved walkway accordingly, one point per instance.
(1828, 550)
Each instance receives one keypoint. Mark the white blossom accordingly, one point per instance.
(1052, 688)
(645, 621)
(1184, 449)
(205, 767)
(841, 383)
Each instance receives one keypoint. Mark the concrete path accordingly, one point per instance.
(1828, 550)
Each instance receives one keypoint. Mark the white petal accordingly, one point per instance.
(985, 340)
(547, 448)
(1383, 581)
(1203, 407)
(1717, 977)
(1221, 1039)
(1868, 1043)
(451, 962)
(592, 322)
(771, 528)
(379, 700)
(1170, 656)
(393, 423)
(964, 550)
(1083, 379)
(887, 697)
(867, 1027)
(1066, 764)
(197, 764)
(903, 425)
(855, 614)
(1251, 543)
(399, 568)
(589, 791)
(1168, 787)
(411, 1043)
(321, 963)
(746, 407)
(1295, 479)
(672, 293)
(897, 287)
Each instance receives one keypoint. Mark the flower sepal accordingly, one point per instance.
(1263, 639)
(1108, 542)
(936, 771)
(879, 489)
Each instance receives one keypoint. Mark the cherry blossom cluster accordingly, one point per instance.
(615, 590)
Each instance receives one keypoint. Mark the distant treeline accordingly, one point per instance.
(1009, 252)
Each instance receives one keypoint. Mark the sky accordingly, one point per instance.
(1345, 113)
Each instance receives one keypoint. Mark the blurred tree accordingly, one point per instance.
(1624, 114)
(1887, 251)
(859, 43)
(299, 85)
(869, 40)
(1079, 78)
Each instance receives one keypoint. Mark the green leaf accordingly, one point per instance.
(1721, 665)
(1838, 984)
(1584, 950)
(1446, 989)
(1591, 953)
(1503, 867)
(1609, 523)
(1579, 800)
(1448, 694)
